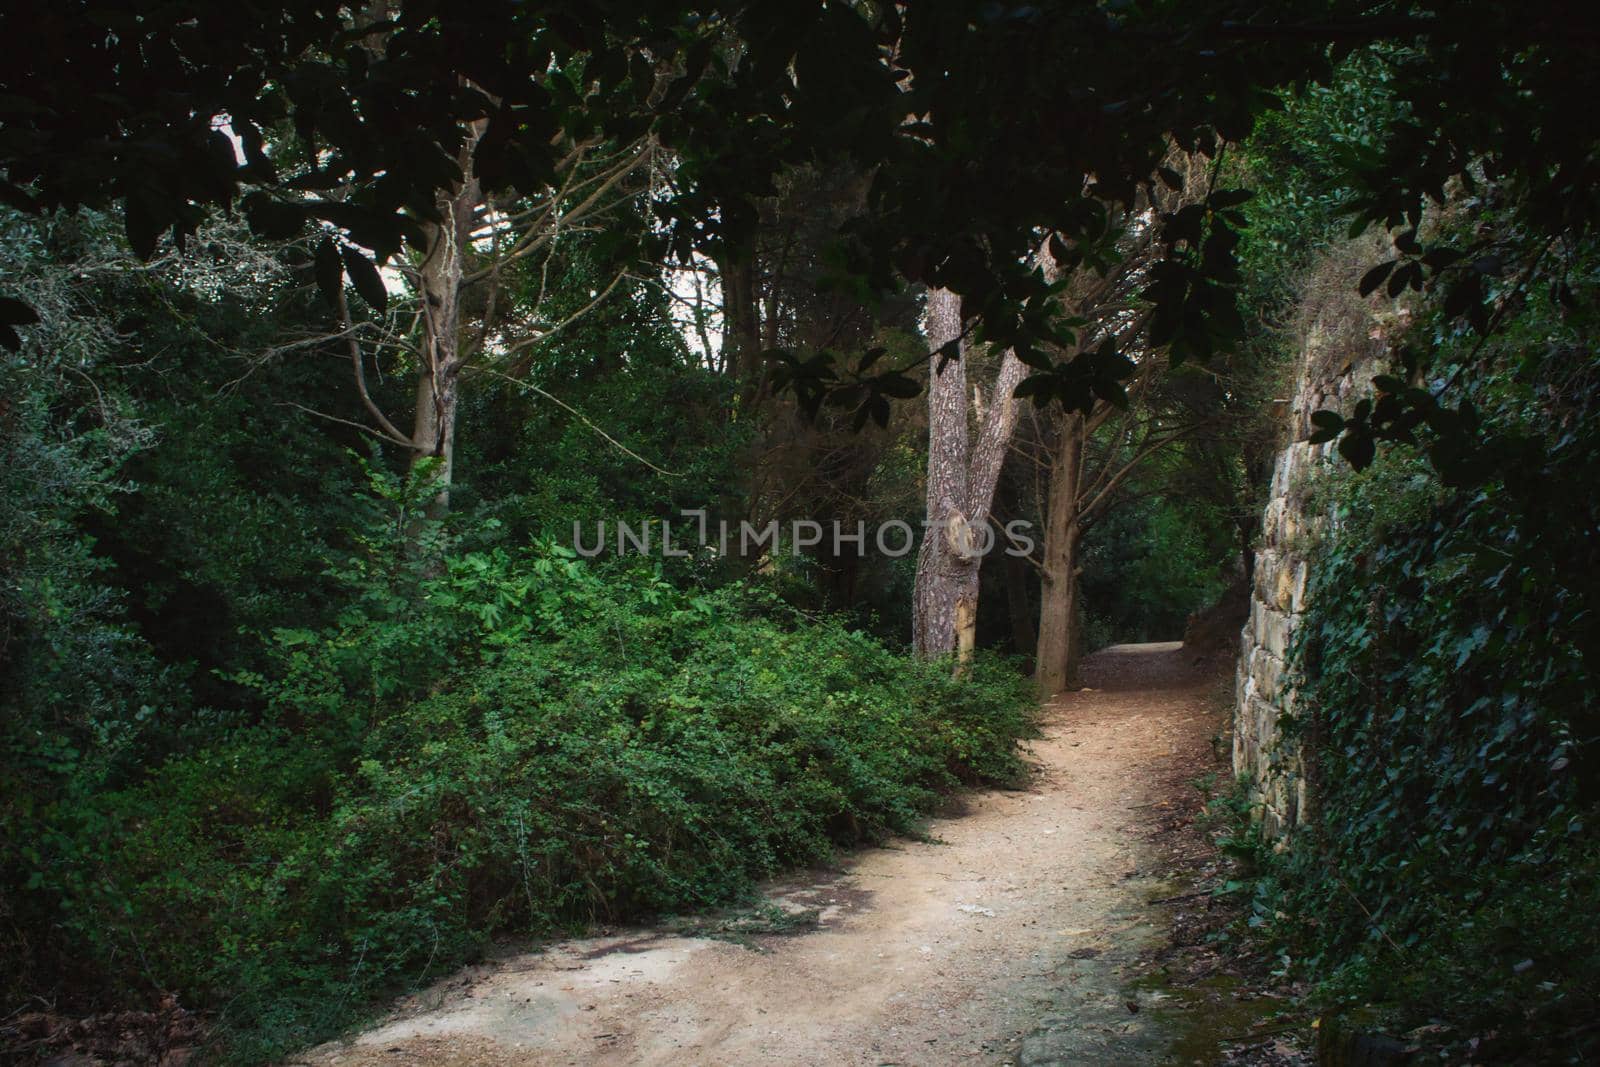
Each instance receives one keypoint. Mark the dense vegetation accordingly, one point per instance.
(1446, 704)
(278, 759)
(1443, 885)
(322, 326)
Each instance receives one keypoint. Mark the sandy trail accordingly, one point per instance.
(1024, 910)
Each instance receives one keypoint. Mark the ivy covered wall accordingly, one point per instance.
(1333, 372)
(1416, 715)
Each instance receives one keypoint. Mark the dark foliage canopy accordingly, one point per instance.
(985, 125)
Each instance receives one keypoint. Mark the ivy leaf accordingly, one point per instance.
(1358, 449)
(368, 282)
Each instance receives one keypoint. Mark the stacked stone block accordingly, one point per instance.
(1263, 752)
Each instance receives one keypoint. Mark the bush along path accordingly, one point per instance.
(1035, 926)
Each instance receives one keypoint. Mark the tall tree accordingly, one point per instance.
(1108, 317)
(961, 479)
(1088, 460)
(476, 290)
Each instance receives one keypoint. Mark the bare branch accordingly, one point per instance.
(521, 365)
(343, 422)
(357, 362)
(618, 445)
(1139, 457)
(539, 235)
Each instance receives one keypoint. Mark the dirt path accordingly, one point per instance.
(1006, 939)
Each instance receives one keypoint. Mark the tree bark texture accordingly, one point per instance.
(961, 480)
(439, 374)
(741, 313)
(1056, 657)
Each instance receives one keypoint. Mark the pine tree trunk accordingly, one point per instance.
(1056, 661)
(962, 478)
(942, 575)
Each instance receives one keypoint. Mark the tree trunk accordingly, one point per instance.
(962, 477)
(1017, 573)
(741, 315)
(434, 429)
(943, 576)
(1056, 661)
(438, 377)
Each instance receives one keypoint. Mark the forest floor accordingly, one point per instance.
(1067, 922)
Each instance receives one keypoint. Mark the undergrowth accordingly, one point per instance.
(1447, 873)
(512, 743)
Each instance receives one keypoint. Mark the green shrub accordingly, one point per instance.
(611, 749)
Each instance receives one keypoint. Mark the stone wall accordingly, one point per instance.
(1333, 373)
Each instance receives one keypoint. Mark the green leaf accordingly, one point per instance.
(1358, 449)
(143, 227)
(1034, 384)
(368, 282)
(273, 219)
(869, 357)
(1374, 277)
(329, 269)
(898, 386)
(1226, 198)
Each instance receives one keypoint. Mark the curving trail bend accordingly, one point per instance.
(1008, 938)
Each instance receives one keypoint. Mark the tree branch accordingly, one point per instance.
(390, 431)
(618, 445)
